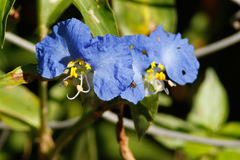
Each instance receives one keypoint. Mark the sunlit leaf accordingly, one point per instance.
(20, 104)
(20, 75)
(210, 107)
(49, 11)
(143, 16)
(143, 114)
(232, 154)
(98, 16)
(231, 129)
(5, 7)
(195, 150)
(13, 123)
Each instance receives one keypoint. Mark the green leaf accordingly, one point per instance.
(98, 16)
(195, 150)
(49, 11)
(20, 104)
(143, 16)
(231, 154)
(143, 114)
(5, 7)
(231, 129)
(210, 106)
(20, 75)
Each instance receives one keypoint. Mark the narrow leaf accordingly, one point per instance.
(98, 16)
(20, 105)
(50, 10)
(5, 7)
(210, 106)
(143, 114)
(20, 75)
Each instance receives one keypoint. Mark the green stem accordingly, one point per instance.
(46, 143)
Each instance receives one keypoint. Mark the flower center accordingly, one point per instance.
(156, 77)
(78, 72)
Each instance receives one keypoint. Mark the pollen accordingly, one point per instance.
(87, 66)
(160, 66)
(153, 65)
(73, 72)
(160, 76)
(150, 70)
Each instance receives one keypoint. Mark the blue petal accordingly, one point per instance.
(176, 55)
(141, 50)
(111, 61)
(64, 44)
(137, 93)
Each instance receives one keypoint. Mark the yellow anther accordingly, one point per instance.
(160, 66)
(131, 47)
(87, 66)
(73, 72)
(160, 76)
(150, 70)
(153, 65)
(72, 63)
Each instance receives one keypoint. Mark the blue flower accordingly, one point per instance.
(176, 55)
(140, 46)
(159, 59)
(71, 44)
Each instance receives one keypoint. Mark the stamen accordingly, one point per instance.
(160, 66)
(73, 72)
(160, 76)
(88, 85)
(65, 83)
(172, 84)
(88, 67)
(72, 98)
(64, 80)
(150, 70)
(153, 65)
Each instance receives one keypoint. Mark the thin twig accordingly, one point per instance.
(159, 131)
(20, 42)
(122, 138)
(217, 46)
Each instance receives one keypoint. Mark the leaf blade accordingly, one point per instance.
(98, 16)
(5, 7)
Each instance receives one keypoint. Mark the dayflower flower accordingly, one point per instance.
(71, 44)
(139, 45)
(159, 59)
